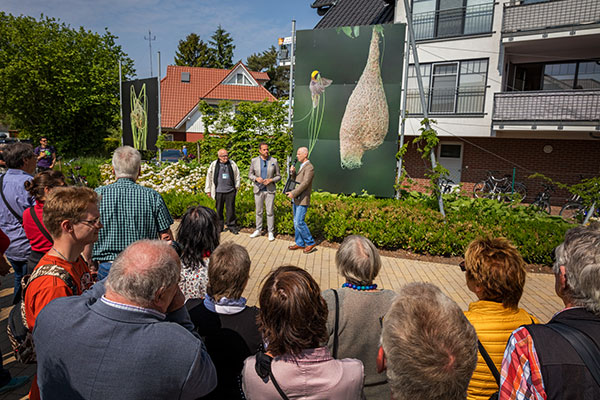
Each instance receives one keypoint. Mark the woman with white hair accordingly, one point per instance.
(356, 311)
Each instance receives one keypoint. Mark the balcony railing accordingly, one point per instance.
(462, 100)
(547, 106)
(454, 22)
(550, 14)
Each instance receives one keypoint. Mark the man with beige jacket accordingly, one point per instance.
(301, 200)
(264, 173)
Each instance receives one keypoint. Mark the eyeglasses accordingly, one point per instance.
(224, 156)
(91, 222)
(462, 266)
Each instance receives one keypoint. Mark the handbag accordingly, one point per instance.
(263, 369)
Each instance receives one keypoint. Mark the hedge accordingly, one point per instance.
(411, 224)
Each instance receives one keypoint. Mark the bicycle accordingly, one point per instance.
(500, 189)
(575, 209)
(542, 200)
(446, 185)
(73, 175)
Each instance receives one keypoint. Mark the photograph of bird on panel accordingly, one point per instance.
(347, 104)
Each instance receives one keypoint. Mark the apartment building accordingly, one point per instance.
(513, 86)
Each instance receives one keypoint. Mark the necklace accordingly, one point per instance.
(360, 287)
(60, 254)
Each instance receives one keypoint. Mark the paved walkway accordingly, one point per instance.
(539, 297)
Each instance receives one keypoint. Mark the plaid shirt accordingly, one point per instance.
(129, 212)
(521, 376)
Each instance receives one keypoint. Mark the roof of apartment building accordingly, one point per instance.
(183, 87)
(353, 12)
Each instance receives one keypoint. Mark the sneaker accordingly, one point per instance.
(271, 237)
(14, 383)
(256, 233)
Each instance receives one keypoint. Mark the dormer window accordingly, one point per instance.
(239, 78)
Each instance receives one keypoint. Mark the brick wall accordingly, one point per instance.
(568, 160)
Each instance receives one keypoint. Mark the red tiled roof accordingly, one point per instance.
(178, 98)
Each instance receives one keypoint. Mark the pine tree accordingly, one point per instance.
(221, 49)
(193, 52)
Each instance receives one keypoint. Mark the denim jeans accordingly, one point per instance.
(303, 237)
(103, 269)
(20, 268)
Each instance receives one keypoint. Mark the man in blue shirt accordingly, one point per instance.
(21, 162)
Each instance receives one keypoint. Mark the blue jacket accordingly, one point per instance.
(87, 349)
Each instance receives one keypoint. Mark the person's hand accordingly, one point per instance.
(4, 266)
(177, 302)
(267, 181)
(290, 195)
(293, 169)
(41, 155)
(260, 180)
(208, 194)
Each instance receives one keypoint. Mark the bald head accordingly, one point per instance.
(302, 154)
(223, 155)
(144, 269)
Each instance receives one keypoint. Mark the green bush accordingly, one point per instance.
(89, 168)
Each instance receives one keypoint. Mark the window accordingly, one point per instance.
(446, 18)
(555, 76)
(456, 87)
(239, 79)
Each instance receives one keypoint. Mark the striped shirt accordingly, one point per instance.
(129, 212)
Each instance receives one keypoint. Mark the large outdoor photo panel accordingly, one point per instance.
(140, 113)
(346, 105)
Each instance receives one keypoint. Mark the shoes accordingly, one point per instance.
(271, 236)
(235, 230)
(14, 383)
(295, 247)
(310, 249)
(256, 233)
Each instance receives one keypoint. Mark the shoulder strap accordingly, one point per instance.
(45, 270)
(337, 322)
(489, 362)
(12, 211)
(263, 369)
(53, 270)
(40, 225)
(583, 345)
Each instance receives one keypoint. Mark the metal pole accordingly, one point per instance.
(403, 113)
(421, 92)
(150, 39)
(159, 115)
(121, 100)
(589, 213)
(290, 96)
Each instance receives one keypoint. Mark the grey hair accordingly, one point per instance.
(429, 345)
(358, 260)
(126, 161)
(580, 255)
(142, 269)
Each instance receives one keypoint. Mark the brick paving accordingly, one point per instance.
(539, 297)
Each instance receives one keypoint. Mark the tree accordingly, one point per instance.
(279, 77)
(59, 82)
(193, 52)
(221, 49)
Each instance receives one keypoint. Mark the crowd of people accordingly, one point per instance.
(114, 307)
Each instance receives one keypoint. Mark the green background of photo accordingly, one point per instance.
(343, 59)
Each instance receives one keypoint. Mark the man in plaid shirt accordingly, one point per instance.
(129, 212)
(538, 362)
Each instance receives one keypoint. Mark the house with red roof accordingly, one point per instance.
(184, 87)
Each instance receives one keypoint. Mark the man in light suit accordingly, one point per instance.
(128, 337)
(264, 172)
(301, 198)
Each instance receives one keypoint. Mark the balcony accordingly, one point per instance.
(453, 22)
(560, 108)
(458, 101)
(550, 16)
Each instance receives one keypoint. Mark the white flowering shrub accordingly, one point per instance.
(180, 177)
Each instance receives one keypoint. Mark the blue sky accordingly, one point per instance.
(254, 24)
